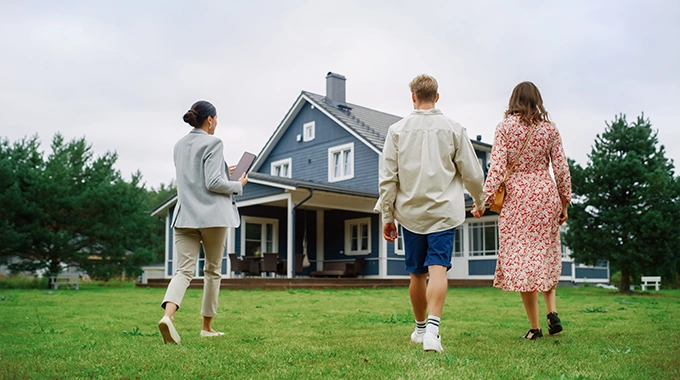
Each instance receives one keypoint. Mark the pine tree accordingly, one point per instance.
(626, 203)
(71, 207)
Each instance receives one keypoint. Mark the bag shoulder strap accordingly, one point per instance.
(526, 142)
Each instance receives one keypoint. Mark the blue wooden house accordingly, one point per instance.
(313, 188)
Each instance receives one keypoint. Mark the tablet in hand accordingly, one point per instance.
(244, 164)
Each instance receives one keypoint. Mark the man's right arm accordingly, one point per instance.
(389, 178)
(470, 170)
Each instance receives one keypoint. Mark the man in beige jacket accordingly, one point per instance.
(426, 160)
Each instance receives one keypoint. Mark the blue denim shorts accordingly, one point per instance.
(429, 249)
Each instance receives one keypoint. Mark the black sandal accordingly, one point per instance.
(533, 334)
(554, 323)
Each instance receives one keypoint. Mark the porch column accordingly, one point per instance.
(382, 253)
(290, 270)
(168, 240)
(319, 239)
(231, 247)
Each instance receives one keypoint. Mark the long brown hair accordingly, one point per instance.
(526, 101)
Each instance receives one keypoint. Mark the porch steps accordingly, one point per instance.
(313, 283)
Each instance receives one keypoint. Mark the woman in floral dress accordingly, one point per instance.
(529, 255)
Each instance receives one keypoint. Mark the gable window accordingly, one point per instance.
(341, 163)
(308, 131)
(282, 168)
(358, 236)
(483, 238)
(258, 236)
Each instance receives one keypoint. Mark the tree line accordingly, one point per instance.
(74, 208)
(70, 207)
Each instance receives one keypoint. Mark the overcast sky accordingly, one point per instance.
(122, 73)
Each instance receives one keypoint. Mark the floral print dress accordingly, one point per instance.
(529, 254)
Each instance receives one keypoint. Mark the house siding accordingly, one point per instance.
(396, 268)
(482, 155)
(334, 241)
(591, 273)
(481, 267)
(309, 160)
(566, 269)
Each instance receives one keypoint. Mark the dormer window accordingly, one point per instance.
(308, 131)
(282, 168)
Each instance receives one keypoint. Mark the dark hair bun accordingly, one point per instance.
(191, 118)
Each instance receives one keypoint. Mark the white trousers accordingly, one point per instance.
(187, 244)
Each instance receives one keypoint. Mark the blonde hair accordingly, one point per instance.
(526, 101)
(425, 87)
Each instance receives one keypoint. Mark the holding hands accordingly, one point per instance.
(564, 215)
(477, 213)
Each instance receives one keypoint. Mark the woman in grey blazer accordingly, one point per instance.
(205, 208)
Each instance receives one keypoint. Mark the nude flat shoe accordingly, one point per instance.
(168, 331)
(209, 334)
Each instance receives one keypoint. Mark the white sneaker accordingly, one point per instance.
(208, 334)
(168, 331)
(417, 337)
(432, 343)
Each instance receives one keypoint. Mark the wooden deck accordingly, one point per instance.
(312, 283)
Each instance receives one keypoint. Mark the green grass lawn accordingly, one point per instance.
(100, 332)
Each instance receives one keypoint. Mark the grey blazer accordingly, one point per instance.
(204, 191)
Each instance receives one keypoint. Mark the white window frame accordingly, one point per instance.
(348, 236)
(400, 237)
(311, 127)
(245, 219)
(470, 227)
(460, 233)
(280, 163)
(339, 149)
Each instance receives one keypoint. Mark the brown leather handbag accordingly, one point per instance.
(499, 197)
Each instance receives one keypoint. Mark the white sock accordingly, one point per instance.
(420, 327)
(433, 325)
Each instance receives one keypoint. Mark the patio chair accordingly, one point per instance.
(237, 265)
(282, 266)
(359, 264)
(269, 263)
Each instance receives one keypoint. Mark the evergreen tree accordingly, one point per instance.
(70, 207)
(625, 203)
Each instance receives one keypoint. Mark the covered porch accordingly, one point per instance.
(291, 218)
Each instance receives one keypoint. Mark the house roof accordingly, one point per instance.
(370, 124)
(283, 182)
(296, 183)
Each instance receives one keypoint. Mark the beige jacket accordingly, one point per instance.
(426, 160)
